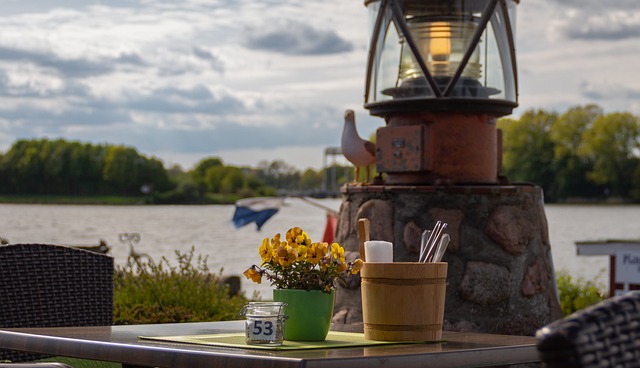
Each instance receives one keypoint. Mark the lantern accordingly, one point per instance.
(440, 72)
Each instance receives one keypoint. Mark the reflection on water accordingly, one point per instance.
(165, 229)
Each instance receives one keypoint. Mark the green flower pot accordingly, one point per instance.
(309, 313)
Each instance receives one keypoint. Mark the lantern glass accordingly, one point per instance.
(450, 41)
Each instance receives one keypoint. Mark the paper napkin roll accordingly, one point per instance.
(378, 251)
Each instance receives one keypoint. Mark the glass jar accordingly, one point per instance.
(264, 323)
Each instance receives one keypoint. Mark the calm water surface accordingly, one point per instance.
(165, 229)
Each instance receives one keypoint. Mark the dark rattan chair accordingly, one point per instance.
(604, 335)
(53, 286)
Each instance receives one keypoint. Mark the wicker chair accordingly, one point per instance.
(53, 286)
(604, 335)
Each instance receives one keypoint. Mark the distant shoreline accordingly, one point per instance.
(218, 199)
(98, 200)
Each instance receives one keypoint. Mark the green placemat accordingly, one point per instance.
(237, 340)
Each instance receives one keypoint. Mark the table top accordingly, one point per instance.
(121, 344)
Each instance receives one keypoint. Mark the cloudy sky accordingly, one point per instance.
(252, 80)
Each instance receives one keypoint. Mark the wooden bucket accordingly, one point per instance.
(403, 301)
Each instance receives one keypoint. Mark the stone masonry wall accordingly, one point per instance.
(500, 275)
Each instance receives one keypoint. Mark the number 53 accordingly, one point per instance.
(263, 328)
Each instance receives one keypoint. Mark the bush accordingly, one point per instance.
(146, 292)
(577, 294)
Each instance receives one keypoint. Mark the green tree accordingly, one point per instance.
(199, 174)
(570, 168)
(127, 172)
(23, 168)
(122, 169)
(154, 175)
(45, 167)
(310, 180)
(610, 144)
(528, 148)
(212, 179)
(232, 181)
(278, 174)
(88, 167)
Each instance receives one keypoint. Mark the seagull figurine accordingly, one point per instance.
(358, 151)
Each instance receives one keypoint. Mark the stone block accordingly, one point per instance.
(511, 227)
(411, 237)
(380, 213)
(485, 283)
(535, 278)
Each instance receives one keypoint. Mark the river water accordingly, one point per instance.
(165, 229)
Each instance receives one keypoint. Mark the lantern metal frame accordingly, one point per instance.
(441, 101)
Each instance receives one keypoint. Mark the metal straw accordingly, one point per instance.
(437, 257)
(423, 243)
(427, 250)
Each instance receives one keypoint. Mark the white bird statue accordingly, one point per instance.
(358, 151)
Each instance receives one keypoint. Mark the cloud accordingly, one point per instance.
(196, 100)
(612, 25)
(597, 20)
(603, 93)
(206, 55)
(296, 38)
(596, 5)
(72, 68)
(315, 125)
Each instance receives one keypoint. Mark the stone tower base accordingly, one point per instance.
(500, 278)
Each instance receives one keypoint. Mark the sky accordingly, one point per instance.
(250, 81)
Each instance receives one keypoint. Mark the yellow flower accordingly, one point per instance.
(357, 266)
(324, 248)
(314, 253)
(337, 252)
(285, 255)
(296, 237)
(275, 248)
(292, 255)
(266, 251)
(280, 252)
(253, 275)
(275, 241)
(342, 267)
(296, 262)
(302, 253)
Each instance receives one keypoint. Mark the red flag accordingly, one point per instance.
(330, 227)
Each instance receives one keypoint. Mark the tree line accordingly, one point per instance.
(580, 154)
(71, 168)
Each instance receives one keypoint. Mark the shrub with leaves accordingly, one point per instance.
(577, 294)
(150, 292)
